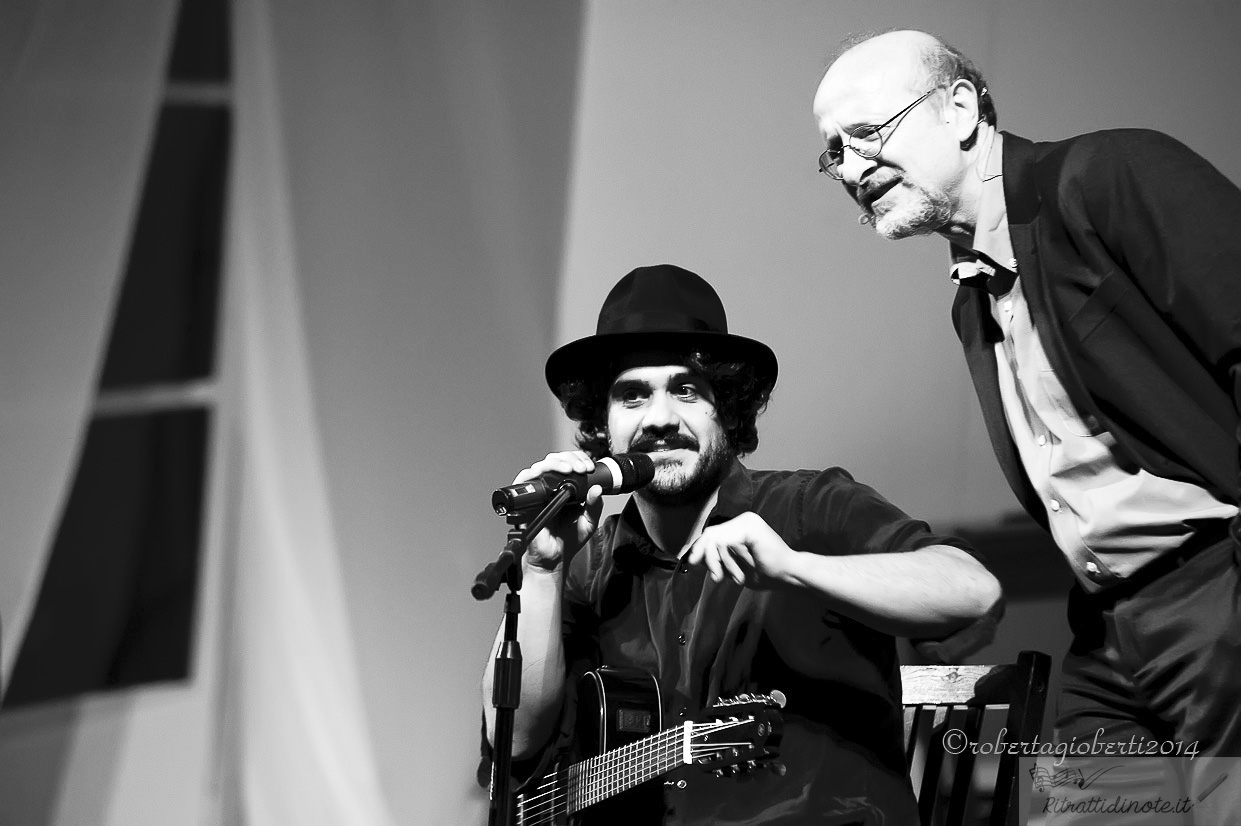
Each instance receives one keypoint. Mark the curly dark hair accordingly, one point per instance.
(740, 396)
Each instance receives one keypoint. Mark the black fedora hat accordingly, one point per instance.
(660, 308)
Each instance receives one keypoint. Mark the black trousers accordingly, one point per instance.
(1154, 676)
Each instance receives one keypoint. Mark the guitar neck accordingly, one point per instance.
(613, 772)
(573, 788)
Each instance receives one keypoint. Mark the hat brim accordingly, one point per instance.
(586, 357)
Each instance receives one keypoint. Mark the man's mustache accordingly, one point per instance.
(650, 444)
(873, 187)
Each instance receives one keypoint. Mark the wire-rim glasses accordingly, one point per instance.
(865, 141)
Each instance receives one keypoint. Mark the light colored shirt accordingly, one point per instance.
(1108, 520)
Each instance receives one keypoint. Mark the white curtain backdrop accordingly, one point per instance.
(80, 86)
(397, 202)
(303, 754)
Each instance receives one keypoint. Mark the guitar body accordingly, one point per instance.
(616, 707)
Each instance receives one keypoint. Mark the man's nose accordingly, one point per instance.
(853, 167)
(659, 413)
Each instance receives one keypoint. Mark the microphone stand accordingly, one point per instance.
(506, 676)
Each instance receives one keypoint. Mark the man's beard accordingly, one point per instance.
(921, 211)
(677, 485)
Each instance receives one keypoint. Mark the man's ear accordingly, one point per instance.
(962, 110)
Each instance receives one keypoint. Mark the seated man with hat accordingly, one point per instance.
(718, 580)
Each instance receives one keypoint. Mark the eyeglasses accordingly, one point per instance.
(865, 141)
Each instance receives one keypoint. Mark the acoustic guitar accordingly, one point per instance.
(619, 724)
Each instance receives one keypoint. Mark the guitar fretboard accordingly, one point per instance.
(616, 771)
(569, 790)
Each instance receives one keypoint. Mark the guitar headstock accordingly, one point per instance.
(737, 734)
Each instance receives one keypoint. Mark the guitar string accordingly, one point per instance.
(627, 764)
(621, 782)
(631, 757)
(576, 792)
(592, 766)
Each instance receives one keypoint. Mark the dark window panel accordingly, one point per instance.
(117, 602)
(200, 51)
(165, 324)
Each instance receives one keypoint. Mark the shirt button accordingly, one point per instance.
(1008, 307)
(1042, 440)
(681, 639)
(1055, 504)
(1092, 568)
(683, 567)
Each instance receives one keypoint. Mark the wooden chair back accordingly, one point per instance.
(965, 788)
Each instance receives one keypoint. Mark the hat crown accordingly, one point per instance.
(661, 308)
(662, 298)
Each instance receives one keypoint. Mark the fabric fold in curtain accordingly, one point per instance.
(303, 750)
(79, 92)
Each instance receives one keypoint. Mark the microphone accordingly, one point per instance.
(623, 473)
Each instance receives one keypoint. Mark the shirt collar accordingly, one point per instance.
(736, 494)
(992, 249)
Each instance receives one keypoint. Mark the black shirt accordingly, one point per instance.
(630, 604)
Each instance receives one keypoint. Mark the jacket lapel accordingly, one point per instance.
(979, 332)
(971, 312)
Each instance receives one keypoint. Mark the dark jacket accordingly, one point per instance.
(1129, 248)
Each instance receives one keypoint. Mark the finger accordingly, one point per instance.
(710, 538)
(545, 545)
(730, 565)
(693, 554)
(594, 495)
(568, 461)
(588, 514)
(744, 556)
(711, 557)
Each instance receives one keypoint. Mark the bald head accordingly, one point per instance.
(893, 59)
(906, 60)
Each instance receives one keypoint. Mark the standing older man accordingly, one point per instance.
(1100, 312)
(718, 580)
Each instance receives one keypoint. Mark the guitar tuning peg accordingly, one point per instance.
(778, 768)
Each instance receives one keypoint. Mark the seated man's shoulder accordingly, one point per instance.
(764, 479)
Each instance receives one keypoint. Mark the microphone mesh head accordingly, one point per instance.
(636, 469)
